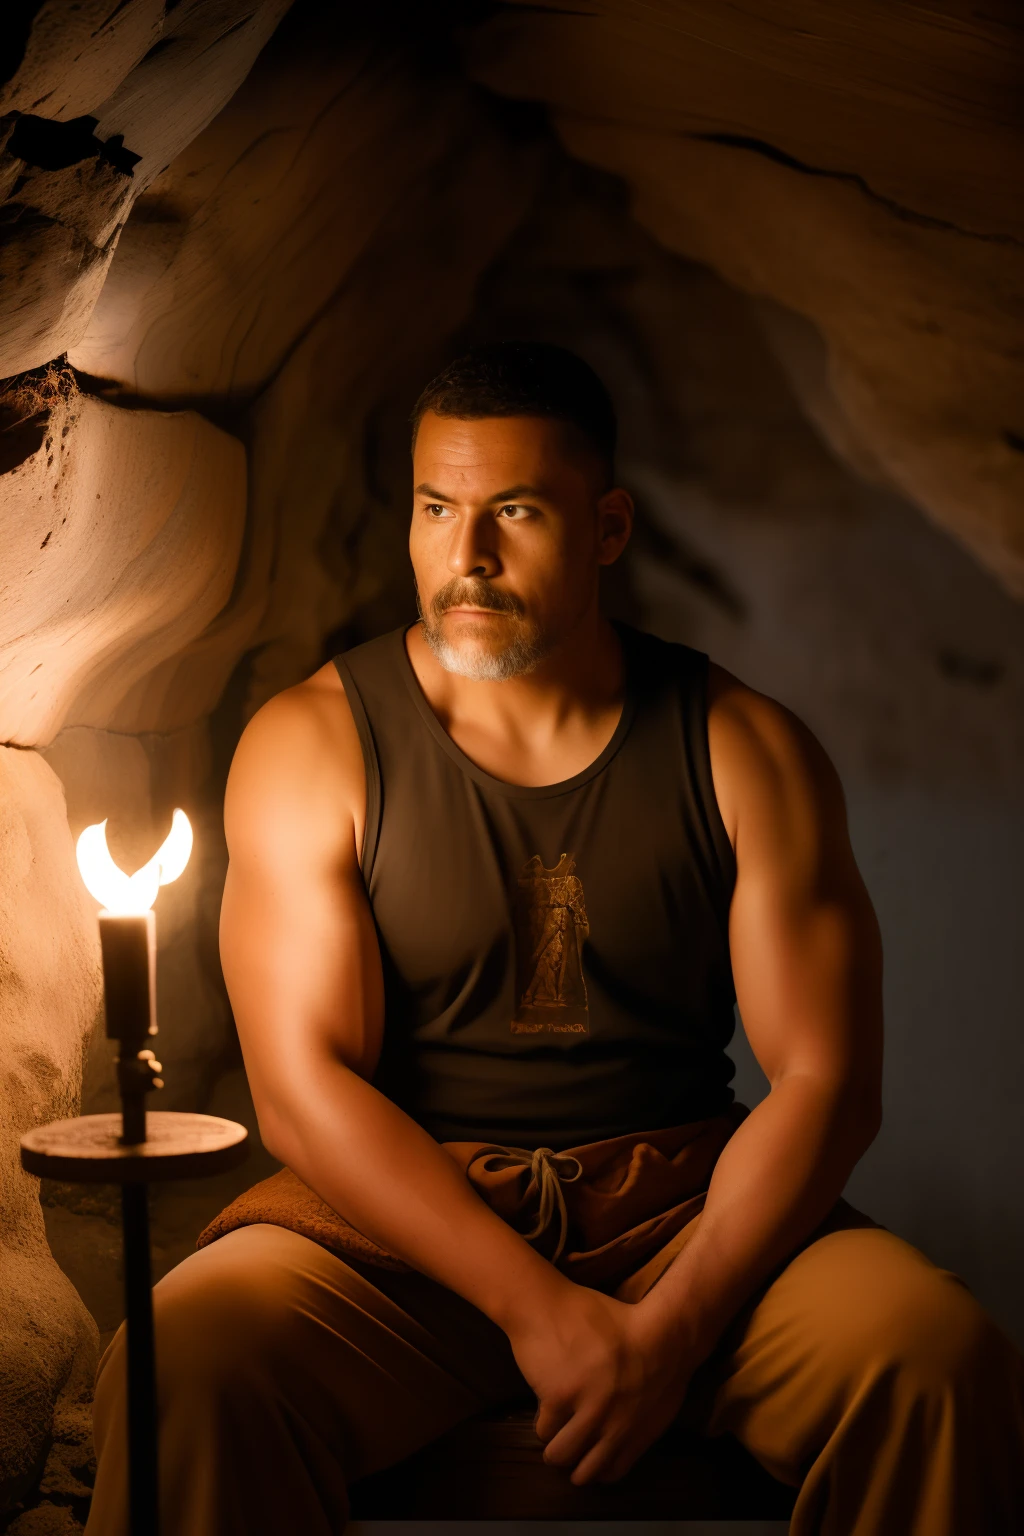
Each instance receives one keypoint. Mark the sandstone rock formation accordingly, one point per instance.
(123, 531)
(102, 100)
(275, 251)
(49, 962)
(857, 166)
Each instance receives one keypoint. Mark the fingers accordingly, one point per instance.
(566, 1434)
(619, 1445)
(599, 1448)
(551, 1417)
(606, 1460)
(584, 1445)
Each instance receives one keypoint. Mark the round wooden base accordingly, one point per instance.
(89, 1150)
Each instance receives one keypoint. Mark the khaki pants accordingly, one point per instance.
(861, 1373)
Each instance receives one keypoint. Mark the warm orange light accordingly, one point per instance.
(125, 894)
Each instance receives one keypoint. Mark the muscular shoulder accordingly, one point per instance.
(297, 778)
(777, 790)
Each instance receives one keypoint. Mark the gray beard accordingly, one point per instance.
(514, 660)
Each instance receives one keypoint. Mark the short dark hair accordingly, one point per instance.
(525, 378)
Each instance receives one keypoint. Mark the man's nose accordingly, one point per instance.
(472, 550)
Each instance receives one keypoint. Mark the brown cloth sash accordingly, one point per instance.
(609, 1214)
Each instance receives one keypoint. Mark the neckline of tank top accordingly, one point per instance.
(502, 786)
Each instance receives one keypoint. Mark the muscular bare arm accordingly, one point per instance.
(303, 971)
(807, 962)
(806, 958)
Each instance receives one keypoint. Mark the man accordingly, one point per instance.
(500, 877)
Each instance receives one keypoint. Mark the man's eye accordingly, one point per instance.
(514, 511)
(436, 510)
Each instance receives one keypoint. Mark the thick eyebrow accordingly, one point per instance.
(508, 495)
(515, 491)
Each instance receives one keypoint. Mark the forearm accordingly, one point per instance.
(386, 1175)
(776, 1179)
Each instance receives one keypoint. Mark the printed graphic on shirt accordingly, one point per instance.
(550, 920)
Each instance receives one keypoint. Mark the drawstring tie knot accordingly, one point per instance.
(546, 1176)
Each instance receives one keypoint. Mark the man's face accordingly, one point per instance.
(510, 525)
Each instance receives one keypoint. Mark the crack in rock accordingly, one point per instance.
(853, 178)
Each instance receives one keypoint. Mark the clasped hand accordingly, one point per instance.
(609, 1380)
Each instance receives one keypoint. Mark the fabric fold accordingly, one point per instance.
(601, 1212)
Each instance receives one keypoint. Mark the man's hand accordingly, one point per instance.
(609, 1379)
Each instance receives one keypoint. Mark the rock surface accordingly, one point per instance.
(267, 221)
(121, 537)
(853, 166)
(103, 99)
(49, 997)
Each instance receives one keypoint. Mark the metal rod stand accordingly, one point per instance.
(142, 1424)
(94, 1150)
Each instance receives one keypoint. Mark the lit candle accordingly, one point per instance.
(89, 1150)
(128, 945)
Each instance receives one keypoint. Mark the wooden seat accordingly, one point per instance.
(490, 1467)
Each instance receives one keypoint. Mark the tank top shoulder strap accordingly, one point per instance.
(671, 681)
(371, 675)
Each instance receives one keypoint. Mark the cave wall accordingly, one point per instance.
(199, 315)
(49, 964)
(857, 164)
(226, 270)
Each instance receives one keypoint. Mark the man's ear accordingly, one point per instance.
(614, 524)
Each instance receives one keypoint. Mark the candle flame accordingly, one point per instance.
(127, 894)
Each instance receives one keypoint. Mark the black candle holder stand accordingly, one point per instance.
(134, 1148)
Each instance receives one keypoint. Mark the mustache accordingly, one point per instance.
(477, 594)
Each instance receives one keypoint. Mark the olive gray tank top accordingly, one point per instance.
(556, 958)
